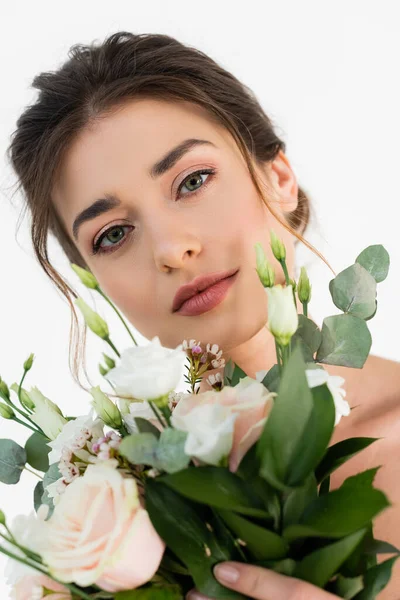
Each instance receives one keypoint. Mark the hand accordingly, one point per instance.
(263, 584)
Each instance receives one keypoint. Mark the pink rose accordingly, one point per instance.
(249, 402)
(36, 586)
(99, 533)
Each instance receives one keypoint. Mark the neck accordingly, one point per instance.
(256, 354)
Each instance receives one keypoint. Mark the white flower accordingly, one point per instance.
(46, 414)
(317, 377)
(210, 431)
(27, 530)
(148, 372)
(73, 436)
(282, 313)
(137, 409)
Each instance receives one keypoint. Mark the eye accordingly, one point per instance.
(114, 234)
(194, 181)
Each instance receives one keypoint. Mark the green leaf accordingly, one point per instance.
(340, 453)
(376, 579)
(316, 436)
(52, 474)
(309, 336)
(37, 495)
(170, 451)
(146, 426)
(375, 259)
(261, 542)
(185, 531)
(341, 512)
(228, 372)
(37, 452)
(279, 441)
(319, 566)
(346, 587)
(218, 487)
(297, 501)
(381, 547)
(354, 291)
(12, 461)
(152, 592)
(139, 448)
(346, 341)
(272, 379)
(237, 375)
(284, 567)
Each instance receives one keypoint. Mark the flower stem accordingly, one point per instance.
(15, 418)
(19, 390)
(155, 411)
(33, 472)
(284, 267)
(278, 356)
(305, 309)
(109, 342)
(167, 414)
(118, 313)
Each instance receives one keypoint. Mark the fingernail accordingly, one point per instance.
(226, 573)
(195, 596)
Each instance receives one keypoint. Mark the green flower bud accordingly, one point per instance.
(4, 391)
(103, 370)
(265, 270)
(29, 362)
(93, 320)
(293, 284)
(25, 399)
(304, 287)
(6, 411)
(278, 247)
(106, 409)
(86, 277)
(110, 362)
(161, 401)
(2, 518)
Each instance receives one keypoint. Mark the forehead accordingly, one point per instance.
(125, 143)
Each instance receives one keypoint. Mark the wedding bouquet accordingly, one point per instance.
(142, 497)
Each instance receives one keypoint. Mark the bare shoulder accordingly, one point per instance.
(374, 395)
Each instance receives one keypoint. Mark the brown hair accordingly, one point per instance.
(91, 84)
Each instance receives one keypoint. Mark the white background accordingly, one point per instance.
(328, 76)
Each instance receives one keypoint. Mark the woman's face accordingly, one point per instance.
(166, 228)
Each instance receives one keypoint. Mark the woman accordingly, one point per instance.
(153, 166)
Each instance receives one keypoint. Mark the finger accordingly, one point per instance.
(263, 584)
(195, 595)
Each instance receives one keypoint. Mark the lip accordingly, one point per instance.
(204, 293)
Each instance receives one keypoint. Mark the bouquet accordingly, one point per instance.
(141, 497)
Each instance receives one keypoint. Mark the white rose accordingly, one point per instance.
(282, 313)
(148, 372)
(137, 409)
(210, 430)
(316, 377)
(27, 530)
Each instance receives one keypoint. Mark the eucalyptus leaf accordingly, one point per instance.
(309, 336)
(52, 475)
(354, 291)
(346, 341)
(37, 451)
(339, 453)
(272, 379)
(139, 448)
(376, 579)
(217, 487)
(170, 451)
(237, 375)
(228, 372)
(12, 461)
(375, 259)
(262, 543)
(179, 524)
(319, 566)
(37, 495)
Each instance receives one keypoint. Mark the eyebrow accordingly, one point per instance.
(103, 205)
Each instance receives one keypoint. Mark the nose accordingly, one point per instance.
(173, 246)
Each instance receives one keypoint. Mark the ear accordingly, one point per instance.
(284, 182)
